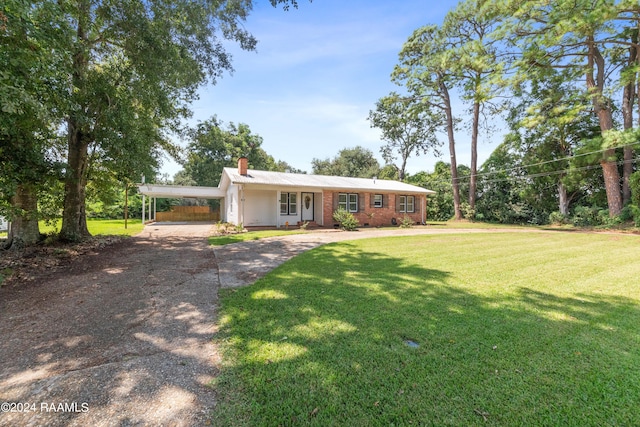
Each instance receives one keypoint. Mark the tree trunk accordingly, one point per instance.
(601, 106)
(455, 183)
(474, 155)
(628, 97)
(74, 221)
(563, 199)
(24, 229)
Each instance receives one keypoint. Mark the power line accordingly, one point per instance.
(532, 175)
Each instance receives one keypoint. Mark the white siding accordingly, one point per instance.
(260, 208)
(232, 204)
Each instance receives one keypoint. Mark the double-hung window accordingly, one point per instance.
(288, 203)
(377, 200)
(348, 202)
(407, 204)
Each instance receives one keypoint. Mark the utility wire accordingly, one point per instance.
(532, 175)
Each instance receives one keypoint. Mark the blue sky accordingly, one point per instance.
(317, 72)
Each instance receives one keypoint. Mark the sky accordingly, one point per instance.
(317, 72)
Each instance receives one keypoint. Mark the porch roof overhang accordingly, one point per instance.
(180, 191)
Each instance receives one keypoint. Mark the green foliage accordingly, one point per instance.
(356, 162)
(557, 218)
(406, 222)
(347, 221)
(440, 205)
(634, 184)
(214, 146)
(407, 128)
(585, 216)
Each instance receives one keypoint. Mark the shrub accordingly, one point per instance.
(557, 218)
(467, 212)
(635, 211)
(585, 216)
(406, 222)
(346, 219)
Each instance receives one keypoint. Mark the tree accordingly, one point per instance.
(213, 147)
(161, 51)
(548, 126)
(424, 70)
(582, 35)
(30, 99)
(356, 162)
(406, 128)
(478, 69)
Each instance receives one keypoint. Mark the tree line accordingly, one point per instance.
(564, 77)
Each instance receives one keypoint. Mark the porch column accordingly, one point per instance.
(278, 193)
(143, 209)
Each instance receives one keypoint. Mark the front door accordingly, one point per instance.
(307, 207)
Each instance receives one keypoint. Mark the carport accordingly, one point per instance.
(154, 191)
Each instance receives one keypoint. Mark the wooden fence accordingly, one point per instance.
(188, 213)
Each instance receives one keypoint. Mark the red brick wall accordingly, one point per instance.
(379, 216)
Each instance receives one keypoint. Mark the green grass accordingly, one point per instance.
(518, 328)
(251, 235)
(101, 226)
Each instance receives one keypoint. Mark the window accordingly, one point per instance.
(288, 203)
(377, 200)
(348, 202)
(407, 204)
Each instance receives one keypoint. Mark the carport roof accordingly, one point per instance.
(180, 191)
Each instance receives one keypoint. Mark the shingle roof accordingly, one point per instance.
(284, 179)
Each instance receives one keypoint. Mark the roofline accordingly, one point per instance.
(372, 189)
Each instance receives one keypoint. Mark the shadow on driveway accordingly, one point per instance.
(121, 338)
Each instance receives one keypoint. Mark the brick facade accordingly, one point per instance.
(373, 216)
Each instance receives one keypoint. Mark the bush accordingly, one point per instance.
(631, 213)
(406, 222)
(585, 216)
(468, 213)
(346, 219)
(558, 218)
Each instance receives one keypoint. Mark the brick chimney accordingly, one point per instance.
(242, 165)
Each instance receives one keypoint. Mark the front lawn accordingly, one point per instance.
(227, 239)
(100, 227)
(510, 329)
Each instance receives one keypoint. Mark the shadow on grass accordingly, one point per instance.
(322, 341)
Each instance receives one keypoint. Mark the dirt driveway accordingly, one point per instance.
(123, 336)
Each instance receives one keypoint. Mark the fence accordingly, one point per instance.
(188, 213)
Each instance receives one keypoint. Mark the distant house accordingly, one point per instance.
(262, 198)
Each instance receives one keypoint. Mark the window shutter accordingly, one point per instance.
(335, 201)
(361, 207)
(371, 199)
(385, 200)
(397, 203)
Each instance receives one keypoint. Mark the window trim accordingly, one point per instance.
(290, 204)
(350, 199)
(375, 201)
(403, 204)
